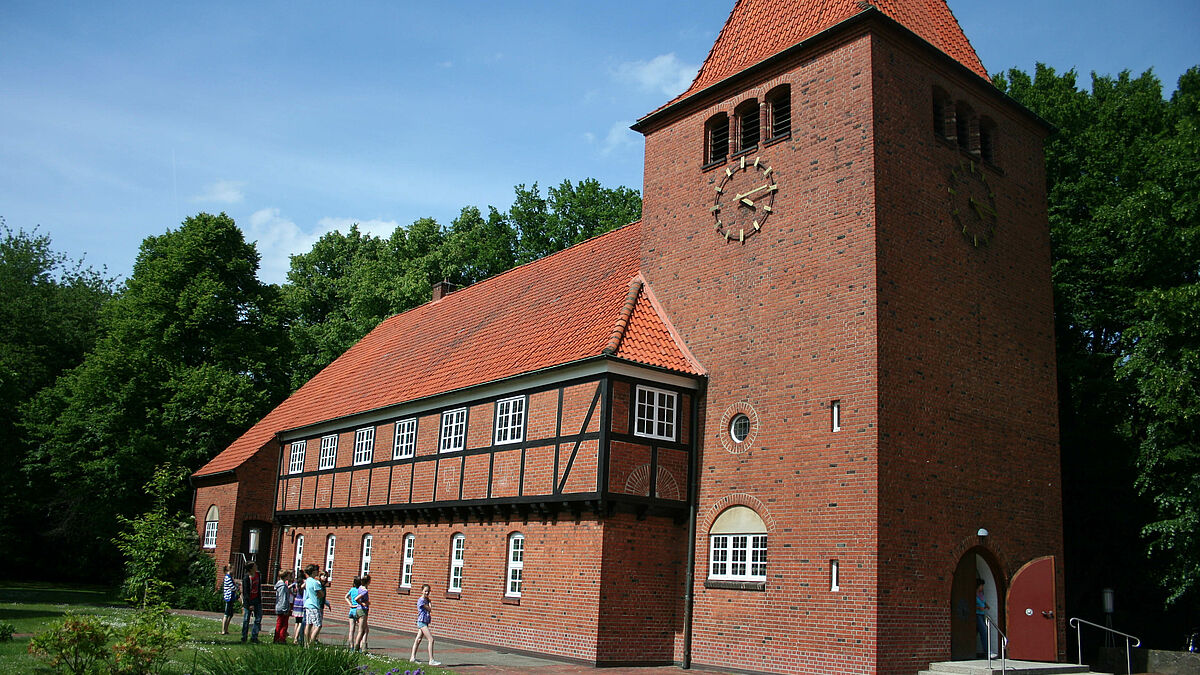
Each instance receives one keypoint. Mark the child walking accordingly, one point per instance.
(424, 618)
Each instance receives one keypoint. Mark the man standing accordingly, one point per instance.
(252, 602)
(230, 594)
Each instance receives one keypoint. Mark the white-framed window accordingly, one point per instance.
(406, 571)
(737, 546)
(655, 416)
(299, 555)
(210, 527)
(739, 557)
(510, 420)
(405, 445)
(835, 577)
(365, 567)
(330, 545)
(516, 565)
(458, 548)
(454, 430)
(296, 460)
(328, 451)
(364, 445)
(835, 415)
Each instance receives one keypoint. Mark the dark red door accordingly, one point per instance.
(1032, 621)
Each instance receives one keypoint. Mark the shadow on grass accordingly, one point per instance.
(13, 614)
(51, 595)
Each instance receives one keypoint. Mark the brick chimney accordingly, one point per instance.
(441, 289)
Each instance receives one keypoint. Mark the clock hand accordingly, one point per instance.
(747, 202)
(757, 189)
(981, 209)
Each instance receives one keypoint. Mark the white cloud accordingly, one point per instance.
(222, 192)
(379, 228)
(664, 73)
(278, 239)
(619, 137)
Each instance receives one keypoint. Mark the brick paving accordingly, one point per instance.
(457, 656)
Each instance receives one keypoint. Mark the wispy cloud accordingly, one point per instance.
(619, 137)
(375, 226)
(664, 73)
(278, 238)
(222, 192)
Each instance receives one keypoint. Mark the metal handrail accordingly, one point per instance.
(1003, 645)
(1137, 641)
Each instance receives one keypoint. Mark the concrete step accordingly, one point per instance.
(982, 667)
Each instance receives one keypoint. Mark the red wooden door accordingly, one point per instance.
(1032, 621)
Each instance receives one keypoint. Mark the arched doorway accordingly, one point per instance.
(977, 563)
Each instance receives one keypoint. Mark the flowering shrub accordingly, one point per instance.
(76, 643)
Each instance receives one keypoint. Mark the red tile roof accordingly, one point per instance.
(758, 29)
(560, 309)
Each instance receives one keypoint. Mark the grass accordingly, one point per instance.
(31, 608)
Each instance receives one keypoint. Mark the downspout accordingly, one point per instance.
(693, 512)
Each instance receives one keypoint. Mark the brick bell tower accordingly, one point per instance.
(846, 223)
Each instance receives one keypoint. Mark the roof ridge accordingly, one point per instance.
(618, 331)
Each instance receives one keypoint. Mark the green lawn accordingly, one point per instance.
(31, 608)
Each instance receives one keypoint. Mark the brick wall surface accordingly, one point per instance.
(786, 323)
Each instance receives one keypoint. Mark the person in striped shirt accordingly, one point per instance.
(229, 593)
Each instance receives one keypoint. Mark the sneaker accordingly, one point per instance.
(435, 663)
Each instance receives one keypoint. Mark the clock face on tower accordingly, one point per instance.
(745, 199)
(972, 203)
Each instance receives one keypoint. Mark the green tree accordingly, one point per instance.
(49, 317)
(191, 356)
(1123, 183)
(571, 213)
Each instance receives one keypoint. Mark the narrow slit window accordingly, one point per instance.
(406, 570)
(330, 545)
(835, 579)
(365, 567)
(716, 138)
(835, 415)
(458, 547)
(299, 555)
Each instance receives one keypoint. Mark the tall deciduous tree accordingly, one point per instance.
(569, 214)
(1123, 172)
(49, 310)
(191, 356)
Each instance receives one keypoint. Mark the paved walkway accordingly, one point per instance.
(457, 656)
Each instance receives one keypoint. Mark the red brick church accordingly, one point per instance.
(781, 424)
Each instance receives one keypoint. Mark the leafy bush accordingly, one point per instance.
(6, 631)
(76, 643)
(196, 590)
(147, 644)
(282, 660)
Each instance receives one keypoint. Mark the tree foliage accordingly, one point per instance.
(1123, 178)
(191, 354)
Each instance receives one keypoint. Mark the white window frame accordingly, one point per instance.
(458, 548)
(405, 443)
(835, 576)
(299, 554)
(328, 451)
(510, 420)
(835, 415)
(655, 413)
(514, 577)
(365, 567)
(330, 548)
(210, 534)
(364, 445)
(406, 569)
(296, 459)
(737, 557)
(453, 436)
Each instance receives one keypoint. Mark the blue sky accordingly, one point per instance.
(122, 118)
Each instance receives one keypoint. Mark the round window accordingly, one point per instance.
(739, 428)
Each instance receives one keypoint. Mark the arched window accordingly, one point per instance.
(716, 138)
(406, 568)
(458, 547)
(738, 546)
(515, 573)
(943, 113)
(365, 567)
(330, 545)
(987, 140)
(779, 112)
(210, 527)
(962, 126)
(747, 115)
(299, 555)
